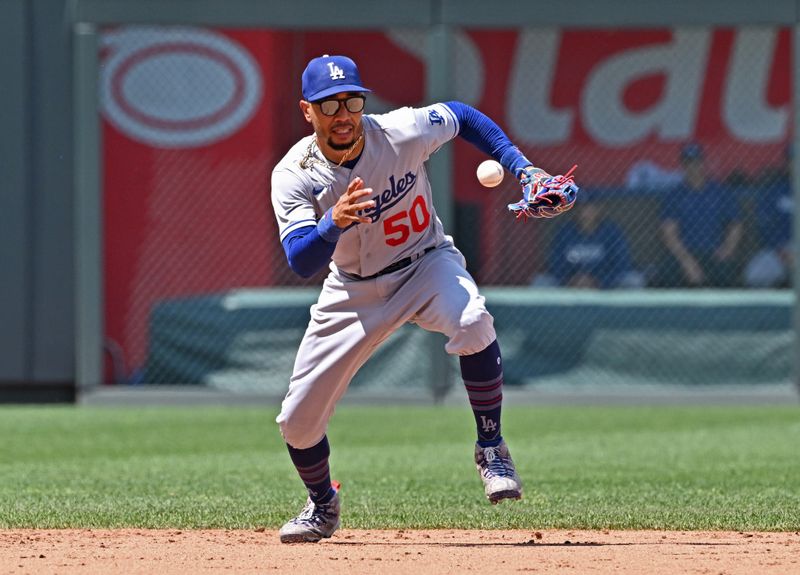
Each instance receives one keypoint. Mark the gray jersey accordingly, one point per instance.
(352, 318)
(404, 221)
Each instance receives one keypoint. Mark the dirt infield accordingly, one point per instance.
(168, 552)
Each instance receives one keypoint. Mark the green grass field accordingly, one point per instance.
(731, 468)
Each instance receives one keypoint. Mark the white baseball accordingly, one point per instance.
(490, 173)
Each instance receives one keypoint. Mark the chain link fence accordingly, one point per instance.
(672, 268)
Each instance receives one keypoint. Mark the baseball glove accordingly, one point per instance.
(543, 195)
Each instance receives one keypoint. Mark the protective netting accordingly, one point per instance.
(680, 136)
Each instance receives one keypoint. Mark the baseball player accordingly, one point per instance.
(355, 195)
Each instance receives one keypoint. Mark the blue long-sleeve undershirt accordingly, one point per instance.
(309, 248)
(481, 131)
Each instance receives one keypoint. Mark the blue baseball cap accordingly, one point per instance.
(329, 75)
(692, 151)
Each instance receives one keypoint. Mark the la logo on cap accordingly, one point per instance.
(336, 72)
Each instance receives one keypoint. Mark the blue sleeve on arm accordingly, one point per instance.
(478, 129)
(308, 249)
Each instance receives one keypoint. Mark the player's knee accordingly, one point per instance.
(475, 332)
(299, 432)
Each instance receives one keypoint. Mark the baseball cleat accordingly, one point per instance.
(497, 471)
(315, 522)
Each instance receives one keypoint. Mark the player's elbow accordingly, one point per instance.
(301, 267)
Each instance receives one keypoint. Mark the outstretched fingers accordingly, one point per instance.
(348, 209)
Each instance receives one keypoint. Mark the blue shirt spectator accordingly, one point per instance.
(774, 215)
(701, 229)
(771, 265)
(589, 251)
(702, 214)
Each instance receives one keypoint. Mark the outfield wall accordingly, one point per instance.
(244, 342)
(65, 305)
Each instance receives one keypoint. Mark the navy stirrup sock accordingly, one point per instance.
(483, 378)
(312, 465)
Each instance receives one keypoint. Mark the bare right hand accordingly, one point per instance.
(345, 212)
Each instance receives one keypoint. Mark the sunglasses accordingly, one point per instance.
(354, 104)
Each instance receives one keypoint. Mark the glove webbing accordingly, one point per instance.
(532, 190)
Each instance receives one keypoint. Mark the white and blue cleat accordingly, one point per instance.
(497, 472)
(315, 522)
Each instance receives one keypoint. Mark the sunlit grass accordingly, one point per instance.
(583, 467)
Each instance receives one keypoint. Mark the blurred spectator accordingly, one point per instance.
(589, 251)
(646, 174)
(772, 264)
(701, 228)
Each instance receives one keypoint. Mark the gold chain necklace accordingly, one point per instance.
(309, 157)
(350, 151)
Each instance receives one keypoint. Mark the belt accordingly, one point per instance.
(396, 266)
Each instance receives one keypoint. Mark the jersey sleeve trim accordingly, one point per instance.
(297, 225)
(456, 123)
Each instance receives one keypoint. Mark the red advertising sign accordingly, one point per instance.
(195, 119)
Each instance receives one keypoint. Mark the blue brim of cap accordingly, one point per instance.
(336, 90)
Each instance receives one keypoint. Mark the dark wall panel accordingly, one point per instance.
(15, 205)
(52, 184)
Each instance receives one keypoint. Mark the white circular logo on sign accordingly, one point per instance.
(177, 87)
